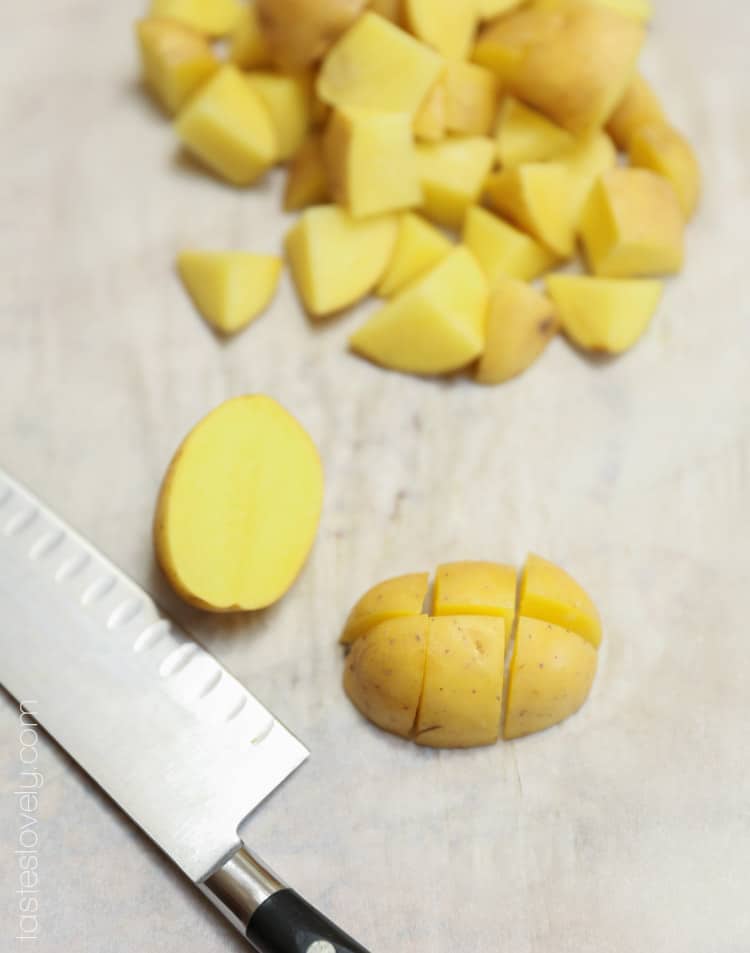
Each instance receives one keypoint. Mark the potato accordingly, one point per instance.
(300, 32)
(641, 10)
(175, 60)
(335, 259)
(210, 17)
(430, 118)
(633, 225)
(227, 126)
(489, 9)
(452, 174)
(247, 47)
(550, 677)
(462, 694)
(377, 66)
(419, 247)
(239, 507)
(435, 326)
(307, 181)
(390, 9)
(604, 314)
(445, 25)
(660, 148)
(571, 61)
(371, 162)
(525, 135)
(230, 289)
(638, 107)
(288, 101)
(476, 588)
(548, 593)
(391, 599)
(502, 250)
(520, 324)
(470, 99)
(584, 163)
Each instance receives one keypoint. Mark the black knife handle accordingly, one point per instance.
(285, 923)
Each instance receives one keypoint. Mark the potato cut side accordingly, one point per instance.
(384, 672)
(430, 118)
(175, 60)
(502, 250)
(248, 48)
(211, 17)
(230, 289)
(520, 324)
(228, 127)
(470, 99)
(589, 158)
(445, 25)
(476, 588)
(608, 315)
(419, 247)
(663, 150)
(300, 32)
(375, 65)
(371, 161)
(452, 174)
(391, 599)
(489, 9)
(633, 225)
(239, 507)
(307, 179)
(435, 326)
(525, 135)
(288, 101)
(639, 106)
(336, 259)
(390, 9)
(640, 10)
(463, 682)
(550, 677)
(550, 594)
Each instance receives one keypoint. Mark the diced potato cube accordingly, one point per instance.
(604, 314)
(419, 247)
(470, 99)
(211, 17)
(476, 588)
(429, 121)
(525, 135)
(391, 599)
(307, 181)
(584, 163)
(371, 161)
(336, 259)
(452, 174)
(502, 250)
(552, 595)
(175, 59)
(664, 150)
(390, 9)
(435, 326)
(447, 26)
(287, 99)
(228, 127)
(375, 65)
(633, 225)
(534, 196)
(638, 107)
(248, 48)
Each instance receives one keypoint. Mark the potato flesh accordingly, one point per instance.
(429, 120)
(248, 48)
(638, 107)
(470, 99)
(476, 588)
(445, 25)
(419, 247)
(300, 32)
(287, 99)
(663, 150)
(502, 250)
(239, 507)
(175, 59)
(452, 174)
(211, 17)
(400, 596)
(525, 135)
(307, 181)
(550, 594)
(489, 9)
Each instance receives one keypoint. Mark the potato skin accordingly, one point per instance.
(300, 32)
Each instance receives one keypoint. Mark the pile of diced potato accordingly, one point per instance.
(443, 155)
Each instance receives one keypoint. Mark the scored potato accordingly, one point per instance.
(211, 17)
(502, 250)
(470, 99)
(452, 174)
(548, 593)
(287, 99)
(445, 25)
(300, 32)
(638, 107)
(307, 181)
(476, 588)
(662, 149)
(176, 60)
(400, 596)
(419, 247)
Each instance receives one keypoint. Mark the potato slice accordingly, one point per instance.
(470, 99)
(489, 9)
(638, 107)
(300, 32)
(435, 326)
(239, 507)
(550, 594)
(384, 672)
(230, 289)
(476, 588)
(247, 47)
(463, 682)
(371, 162)
(633, 225)
(419, 247)
(391, 599)
(535, 197)
(227, 126)
(551, 674)
(452, 174)
(662, 149)
(445, 25)
(336, 259)
(520, 324)
(604, 314)
(525, 135)
(377, 66)
(307, 181)
(287, 99)
(502, 250)
(176, 60)
(211, 17)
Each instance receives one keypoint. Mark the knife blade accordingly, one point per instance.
(134, 700)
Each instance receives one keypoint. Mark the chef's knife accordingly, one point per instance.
(134, 700)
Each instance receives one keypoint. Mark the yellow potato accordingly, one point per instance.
(550, 677)
(176, 60)
(463, 682)
(230, 289)
(300, 32)
(660, 148)
(641, 10)
(419, 247)
(307, 181)
(550, 594)
(375, 65)
(584, 163)
(470, 98)
(633, 225)
(390, 9)
(638, 107)
(371, 161)
(476, 588)
(239, 507)
(391, 599)
(336, 259)
(502, 250)
(520, 324)
(452, 174)
(489, 9)
(525, 135)
(211, 17)
(429, 121)
(604, 314)
(248, 48)
(435, 326)
(227, 126)
(445, 25)
(385, 670)
(287, 99)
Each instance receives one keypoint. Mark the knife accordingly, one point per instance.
(131, 697)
